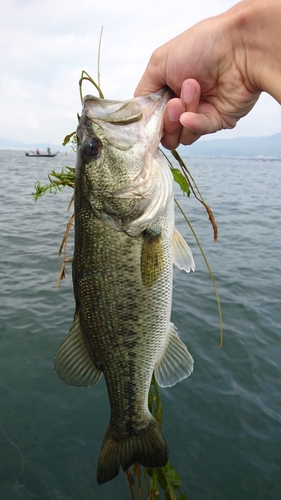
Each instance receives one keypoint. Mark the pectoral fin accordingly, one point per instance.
(175, 363)
(73, 362)
(152, 259)
(182, 254)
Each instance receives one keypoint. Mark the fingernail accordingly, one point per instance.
(173, 114)
(188, 92)
(185, 129)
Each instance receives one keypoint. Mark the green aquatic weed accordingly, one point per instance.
(181, 181)
(148, 484)
(57, 181)
(70, 138)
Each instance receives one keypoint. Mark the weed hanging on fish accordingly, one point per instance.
(187, 174)
(57, 181)
(183, 180)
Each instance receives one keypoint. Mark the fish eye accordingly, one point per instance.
(91, 147)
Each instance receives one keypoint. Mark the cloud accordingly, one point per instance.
(45, 45)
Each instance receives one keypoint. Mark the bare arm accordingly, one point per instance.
(217, 69)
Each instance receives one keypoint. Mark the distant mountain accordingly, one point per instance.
(14, 144)
(238, 146)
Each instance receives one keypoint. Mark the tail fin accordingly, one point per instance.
(148, 447)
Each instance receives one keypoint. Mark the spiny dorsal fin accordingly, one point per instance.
(152, 259)
(73, 362)
(182, 254)
(175, 363)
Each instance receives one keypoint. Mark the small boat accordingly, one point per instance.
(41, 155)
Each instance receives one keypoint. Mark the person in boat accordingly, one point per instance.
(37, 151)
(48, 151)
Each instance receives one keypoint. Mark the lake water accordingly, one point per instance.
(223, 423)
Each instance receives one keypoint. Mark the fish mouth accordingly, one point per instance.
(125, 123)
(117, 112)
(126, 112)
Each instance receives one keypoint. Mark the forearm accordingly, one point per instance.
(256, 36)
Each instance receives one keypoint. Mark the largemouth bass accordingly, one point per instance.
(125, 247)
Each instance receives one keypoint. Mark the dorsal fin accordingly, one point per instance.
(73, 362)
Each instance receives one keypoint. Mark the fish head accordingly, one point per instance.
(119, 166)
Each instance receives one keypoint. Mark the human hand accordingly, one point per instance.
(206, 69)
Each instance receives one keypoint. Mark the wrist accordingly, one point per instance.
(256, 25)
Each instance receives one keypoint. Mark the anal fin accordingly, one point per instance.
(175, 363)
(73, 362)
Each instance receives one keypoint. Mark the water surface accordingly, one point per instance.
(223, 424)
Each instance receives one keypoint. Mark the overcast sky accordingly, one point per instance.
(45, 44)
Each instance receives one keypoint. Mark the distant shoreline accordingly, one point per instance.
(238, 147)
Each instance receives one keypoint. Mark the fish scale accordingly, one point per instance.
(125, 245)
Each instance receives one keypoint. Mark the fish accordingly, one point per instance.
(125, 246)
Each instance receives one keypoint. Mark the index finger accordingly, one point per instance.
(148, 85)
(152, 80)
